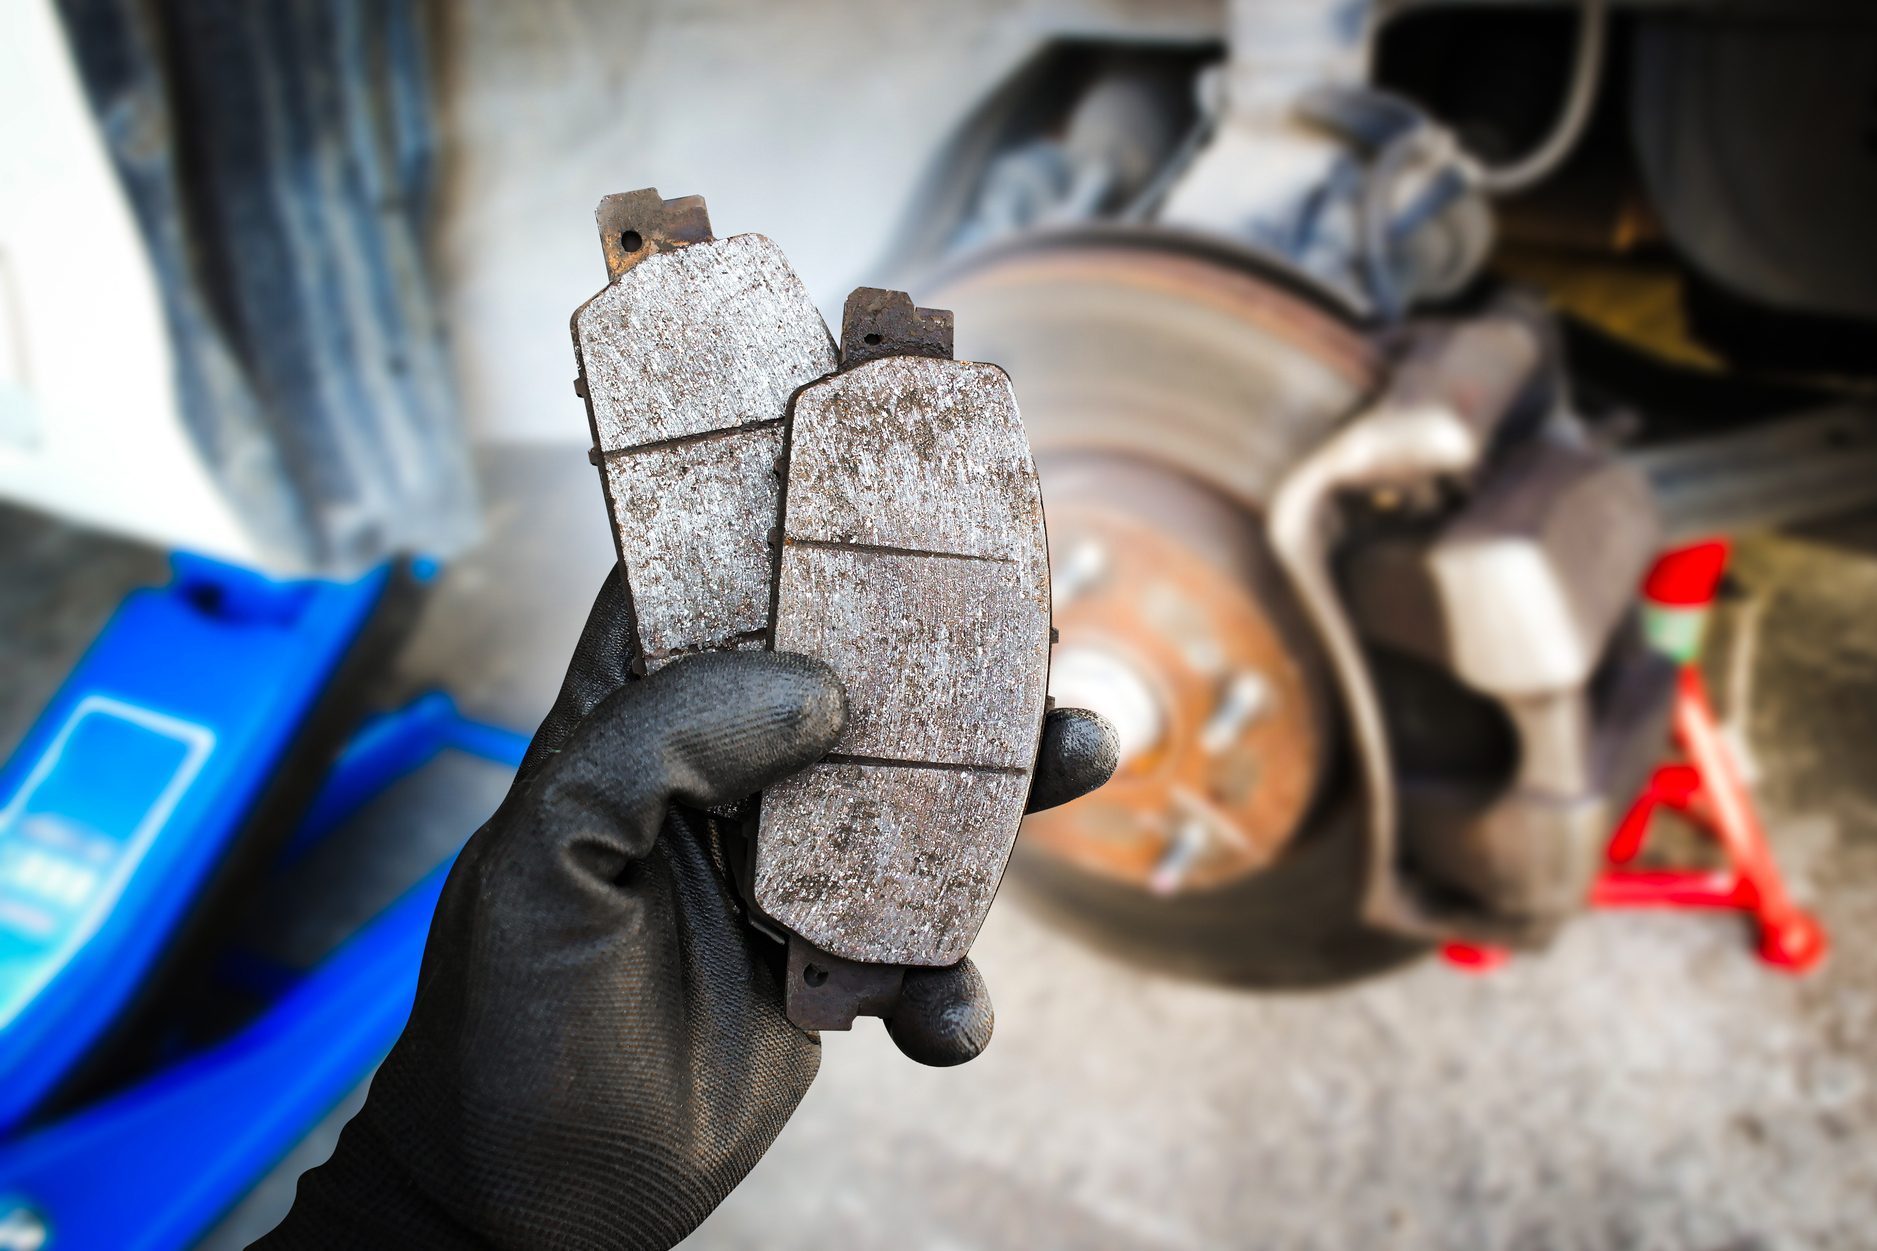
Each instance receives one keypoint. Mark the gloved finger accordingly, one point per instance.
(944, 1016)
(1078, 753)
(704, 730)
(601, 664)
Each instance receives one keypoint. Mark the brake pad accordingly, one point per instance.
(912, 560)
(687, 362)
(883, 517)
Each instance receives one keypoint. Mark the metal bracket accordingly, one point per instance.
(876, 322)
(827, 992)
(635, 224)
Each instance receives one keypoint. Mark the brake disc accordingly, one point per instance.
(1167, 386)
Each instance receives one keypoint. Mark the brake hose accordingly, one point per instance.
(1586, 71)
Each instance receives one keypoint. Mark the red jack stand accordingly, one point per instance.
(1707, 789)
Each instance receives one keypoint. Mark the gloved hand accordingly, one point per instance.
(597, 1052)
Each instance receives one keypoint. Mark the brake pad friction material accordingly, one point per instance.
(913, 562)
(687, 362)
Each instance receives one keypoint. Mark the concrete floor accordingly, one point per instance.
(1643, 1084)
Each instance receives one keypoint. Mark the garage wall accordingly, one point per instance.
(810, 122)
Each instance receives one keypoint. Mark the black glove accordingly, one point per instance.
(597, 1052)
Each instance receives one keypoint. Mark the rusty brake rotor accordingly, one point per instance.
(1166, 387)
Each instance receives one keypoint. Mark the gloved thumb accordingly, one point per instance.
(703, 730)
(943, 1016)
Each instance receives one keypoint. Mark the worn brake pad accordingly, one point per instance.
(687, 362)
(913, 562)
(884, 518)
